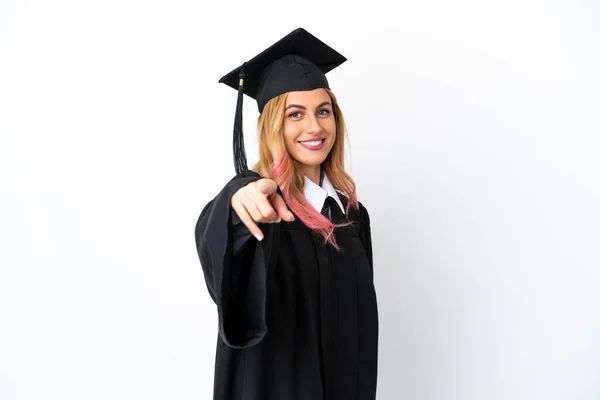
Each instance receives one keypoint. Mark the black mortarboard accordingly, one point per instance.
(298, 61)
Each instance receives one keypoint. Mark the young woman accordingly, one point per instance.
(286, 247)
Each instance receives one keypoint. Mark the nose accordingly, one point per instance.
(313, 127)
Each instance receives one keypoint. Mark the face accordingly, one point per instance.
(309, 127)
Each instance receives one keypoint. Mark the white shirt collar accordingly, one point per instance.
(316, 194)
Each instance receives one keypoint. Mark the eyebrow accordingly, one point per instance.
(304, 108)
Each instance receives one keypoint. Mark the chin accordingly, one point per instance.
(311, 162)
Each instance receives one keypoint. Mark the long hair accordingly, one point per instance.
(276, 163)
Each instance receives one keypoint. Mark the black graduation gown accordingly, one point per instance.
(297, 321)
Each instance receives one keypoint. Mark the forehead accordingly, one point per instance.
(307, 98)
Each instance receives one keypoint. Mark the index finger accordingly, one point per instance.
(247, 220)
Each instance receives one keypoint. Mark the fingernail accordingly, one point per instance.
(259, 237)
(278, 220)
(292, 216)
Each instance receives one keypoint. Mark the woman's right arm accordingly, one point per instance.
(236, 279)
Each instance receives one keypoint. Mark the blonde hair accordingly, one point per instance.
(276, 163)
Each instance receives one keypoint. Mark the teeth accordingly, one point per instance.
(313, 143)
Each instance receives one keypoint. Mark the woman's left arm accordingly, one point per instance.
(365, 233)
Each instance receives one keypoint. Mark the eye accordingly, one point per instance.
(323, 112)
(295, 114)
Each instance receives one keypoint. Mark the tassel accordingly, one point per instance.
(239, 154)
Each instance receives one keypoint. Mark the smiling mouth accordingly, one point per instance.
(313, 142)
(313, 145)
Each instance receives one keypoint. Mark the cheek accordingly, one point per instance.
(328, 124)
(330, 128)
(290, 132)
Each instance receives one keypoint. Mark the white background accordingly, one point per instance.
(474, 143)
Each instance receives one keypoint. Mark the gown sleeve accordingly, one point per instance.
(241, 233)
(365, 234)
(236, 280)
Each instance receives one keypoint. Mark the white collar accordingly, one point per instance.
(316, 194)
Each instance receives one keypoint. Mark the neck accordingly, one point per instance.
(313, 173)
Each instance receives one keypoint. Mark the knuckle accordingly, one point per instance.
(271, 214)
(253, 216)
(259, 218)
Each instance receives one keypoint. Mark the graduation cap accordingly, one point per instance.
(298, 61)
